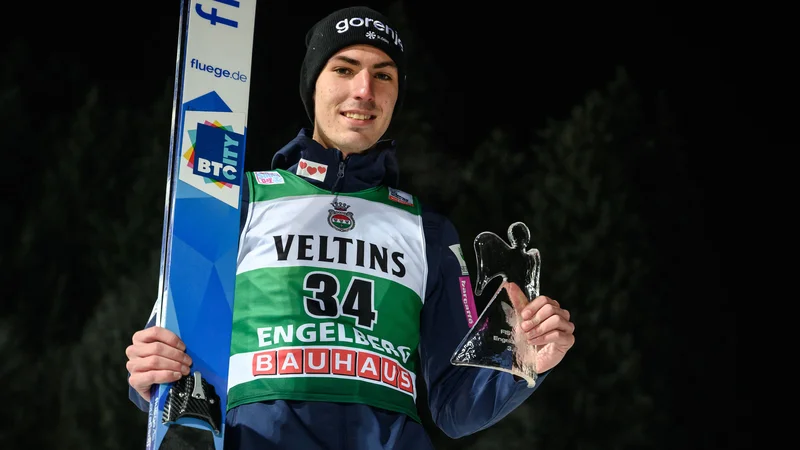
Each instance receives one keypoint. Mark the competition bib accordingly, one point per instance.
(328, 296)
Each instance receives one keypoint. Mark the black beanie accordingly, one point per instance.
(340, 29)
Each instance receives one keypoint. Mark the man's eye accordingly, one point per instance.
(342, 70)
(384, 76)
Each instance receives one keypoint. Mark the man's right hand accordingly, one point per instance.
(156, 356)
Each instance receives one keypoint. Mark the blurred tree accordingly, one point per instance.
(126, 241)
(85, 272)
(573, 189)
(96, 197)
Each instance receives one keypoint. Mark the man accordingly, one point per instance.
(349, 280)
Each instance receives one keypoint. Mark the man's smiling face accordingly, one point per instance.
(354, 99)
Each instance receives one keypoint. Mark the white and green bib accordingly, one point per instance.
(329, 291)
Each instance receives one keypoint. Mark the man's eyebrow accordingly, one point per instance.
(356, 62)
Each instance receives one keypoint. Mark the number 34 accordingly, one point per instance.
(358, 301)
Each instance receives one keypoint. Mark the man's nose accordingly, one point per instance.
(362, 86)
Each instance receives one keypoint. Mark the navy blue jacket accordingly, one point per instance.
(462, 400)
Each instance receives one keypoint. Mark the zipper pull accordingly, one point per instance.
(340, 175)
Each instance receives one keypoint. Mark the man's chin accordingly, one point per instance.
(356, 141)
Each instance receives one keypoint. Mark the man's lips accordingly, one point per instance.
(358, 115)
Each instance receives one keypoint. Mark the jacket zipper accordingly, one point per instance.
(339, 178)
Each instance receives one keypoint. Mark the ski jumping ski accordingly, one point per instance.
(201, 220)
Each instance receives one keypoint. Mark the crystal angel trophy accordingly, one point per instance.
(492, 341)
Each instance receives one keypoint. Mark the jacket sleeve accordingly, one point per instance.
(134, 396)
(462, 400)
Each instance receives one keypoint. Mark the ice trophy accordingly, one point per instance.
(492, 342)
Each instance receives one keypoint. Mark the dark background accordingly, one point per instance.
(86, 102)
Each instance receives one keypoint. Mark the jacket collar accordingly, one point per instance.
(375, 167)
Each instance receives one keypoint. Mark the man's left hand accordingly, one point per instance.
(543, 323)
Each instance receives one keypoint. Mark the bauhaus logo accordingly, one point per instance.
(384, 32)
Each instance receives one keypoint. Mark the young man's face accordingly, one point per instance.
(354, 98)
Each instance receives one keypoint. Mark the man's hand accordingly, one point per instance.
(543, 323)
(156, 356)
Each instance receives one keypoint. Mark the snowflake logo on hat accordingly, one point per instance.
(371, 35)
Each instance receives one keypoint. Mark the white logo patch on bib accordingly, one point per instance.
(401, 197)
(269, 177)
